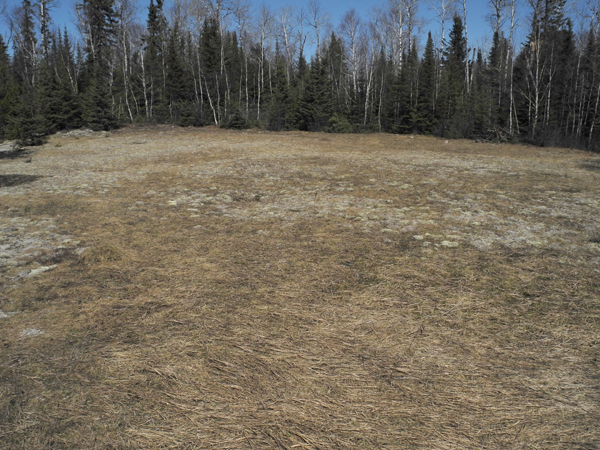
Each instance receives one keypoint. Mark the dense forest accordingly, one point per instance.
(203, 62)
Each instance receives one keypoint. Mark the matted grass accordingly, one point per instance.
(245, 290)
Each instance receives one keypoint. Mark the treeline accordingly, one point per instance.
(212, 62)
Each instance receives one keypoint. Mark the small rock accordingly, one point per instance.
(28, 332)
(449, 244)
(40, 270)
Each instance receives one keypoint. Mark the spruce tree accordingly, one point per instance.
(410, 120)
(280, 108)
(156, 61)
(588, 120)
(60, 102)
(481, 103)
(27, 123)
(334, 62)
(453, 89)
(8, 92)
(497, 78)
(315, 105)
(297, 88)
(25, 47)
(96, 80)
(176, 79)
(425, 111)
(210, 66)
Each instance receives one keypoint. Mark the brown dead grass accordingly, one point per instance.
(246, 290)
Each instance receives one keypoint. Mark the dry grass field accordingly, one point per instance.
(205, 289)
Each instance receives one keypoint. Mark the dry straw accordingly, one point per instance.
(245, 290)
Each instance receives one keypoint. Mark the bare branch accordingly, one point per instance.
(318, 19)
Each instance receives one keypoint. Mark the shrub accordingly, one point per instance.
(339, 124)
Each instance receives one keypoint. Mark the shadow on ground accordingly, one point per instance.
(16, 179)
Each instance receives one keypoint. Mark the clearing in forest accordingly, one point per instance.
(199, 288)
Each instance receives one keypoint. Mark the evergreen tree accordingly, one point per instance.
(297, 88)
(426, 95)
(315, 104)
(481, 100)
(334, 63)
(27, 123)
(453, 88)
(234, 65)
(410, 120)
(210, 68)
(60, 102)
(177, 80)
(96, 80)
(545, 73)
(156, 62)
(280, 111)
(25, 47)
(8, 92)
(588, 118)
(497, 75)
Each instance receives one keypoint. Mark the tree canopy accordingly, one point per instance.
(212, 62)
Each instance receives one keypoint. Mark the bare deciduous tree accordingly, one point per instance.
(126, 13)
(44, 18)
(350, 32)
(318, 19)
(497, 16)
(286, 25)
(444, 10)
(265, 28)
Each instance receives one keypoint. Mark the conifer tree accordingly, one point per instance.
(426, 95)
(480, 106)
(544, 74)
(210, 67)
(453, 90)
(96, 81)
(409, 86)
(297, 88)
(8, 92)
(25, 47)
(175, 75)
(588, 121)
(60, 102)
(315, 104)
(155, 61)
(335, 66)
(27, 124)
(280, 110)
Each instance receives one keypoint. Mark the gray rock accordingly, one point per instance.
(40, 270)
(29, 332)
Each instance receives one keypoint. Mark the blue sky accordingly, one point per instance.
(478, 28)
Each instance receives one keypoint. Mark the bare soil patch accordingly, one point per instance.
(199, 288)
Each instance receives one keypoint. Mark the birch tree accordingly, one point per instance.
(350, 31)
